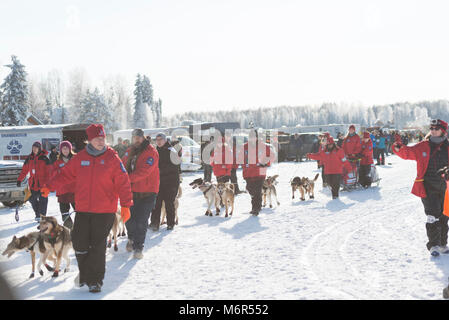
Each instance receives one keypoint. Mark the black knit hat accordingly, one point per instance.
(138, 132)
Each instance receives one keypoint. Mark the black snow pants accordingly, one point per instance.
(333, 180)
(207, 173)
(436, 225)
(364, 175)
(167, 193)
(234, 180)
(89, 234)
(254, 187)
(39, 203)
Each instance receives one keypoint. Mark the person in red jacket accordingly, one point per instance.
(256, 157)
(333, 158)
(221, 161)
(352, 144)
(431, 155)
(37, 165)
(101, 179)
(367, 161)
(66, 194)
(142, 164)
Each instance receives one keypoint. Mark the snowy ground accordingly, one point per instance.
(369, 244)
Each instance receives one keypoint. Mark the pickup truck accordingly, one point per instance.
(10, 194)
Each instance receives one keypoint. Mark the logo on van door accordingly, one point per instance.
(14, 147)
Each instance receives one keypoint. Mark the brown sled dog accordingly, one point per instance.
(304, 185)
(117, 230)
(269, 189)
(57, 241)
(32, 242)
(225, 194)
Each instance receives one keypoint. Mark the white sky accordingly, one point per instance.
(215, 55)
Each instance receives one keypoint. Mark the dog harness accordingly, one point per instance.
(207, 190)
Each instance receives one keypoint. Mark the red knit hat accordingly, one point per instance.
(439, 124)
(65, 143)
(94, 131)
(352, 126)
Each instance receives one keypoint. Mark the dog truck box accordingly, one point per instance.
(16, 142)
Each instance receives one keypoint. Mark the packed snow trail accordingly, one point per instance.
(369, 244)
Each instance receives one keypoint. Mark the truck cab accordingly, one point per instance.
(10, 194)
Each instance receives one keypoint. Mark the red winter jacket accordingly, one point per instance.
(352, 145)
(221, 160)
(333, 161)
(99, 181)
(55, 169)
(145, 177)
(420, 152)
(367, 153)
(38, 167)
(253, 159)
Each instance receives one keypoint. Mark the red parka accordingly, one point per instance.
(67, 191)
(420, 152)
(99, 182)
(367, 153)
(255, 162)
(222, 160)
(38, 168)
(333, 161)
(145, 177)
(352, 145)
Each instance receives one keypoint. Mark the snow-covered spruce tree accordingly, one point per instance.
(147, 91)
(140, 117)
(95, 110)
(158, 113)
(14, 101)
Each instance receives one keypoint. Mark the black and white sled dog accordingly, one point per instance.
(269, 189)
(209, 191)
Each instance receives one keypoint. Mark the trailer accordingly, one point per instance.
(16, 142)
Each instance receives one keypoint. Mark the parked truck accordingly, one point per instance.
(10, 194)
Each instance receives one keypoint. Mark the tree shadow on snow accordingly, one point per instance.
(244, 228)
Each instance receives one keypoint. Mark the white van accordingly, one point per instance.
(191, 150)
(16, 142)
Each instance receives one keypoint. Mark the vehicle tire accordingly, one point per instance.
(11, 204)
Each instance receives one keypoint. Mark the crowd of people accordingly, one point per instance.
(144, 174)
(431, 154)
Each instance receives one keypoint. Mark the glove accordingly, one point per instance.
(125, 214)
(19, 183)
(444, 173)
(45, 192)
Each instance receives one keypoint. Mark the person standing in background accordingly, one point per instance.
(142, 164)
(37, 165)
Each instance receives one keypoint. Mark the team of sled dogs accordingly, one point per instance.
(222, 194)
(53, 241)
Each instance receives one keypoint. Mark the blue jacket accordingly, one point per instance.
(380, 142)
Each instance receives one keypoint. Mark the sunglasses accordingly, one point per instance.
(435, 128)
